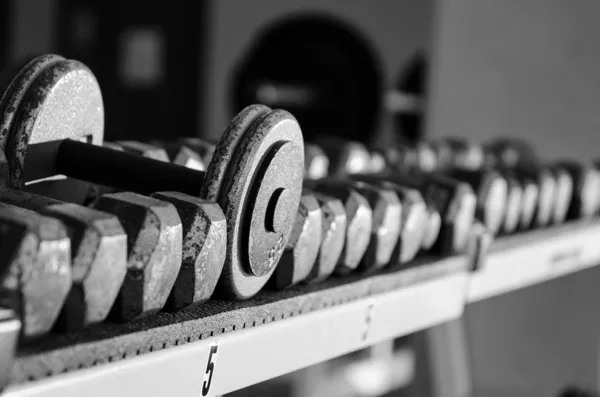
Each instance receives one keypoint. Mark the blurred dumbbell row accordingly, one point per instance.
(514, 189)
(137, 244)
(361, 210)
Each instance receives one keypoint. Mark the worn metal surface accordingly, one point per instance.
(225, 149)
(259, 197)
(64, 101)
(359, 221)
(333, 237)
(316, 162)
(203, 254)
(386, 224)
(13, 91)
(154, 245)
(492, 192)
(99, 263)
(98, 256)
(36, 271)
(302, 248)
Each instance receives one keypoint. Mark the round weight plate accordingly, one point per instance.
(223, 153)
(64, 102)
(14, 90)
(264, 177)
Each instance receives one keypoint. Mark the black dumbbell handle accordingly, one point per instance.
(125, 171)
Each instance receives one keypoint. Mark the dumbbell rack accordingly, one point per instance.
(278, 333)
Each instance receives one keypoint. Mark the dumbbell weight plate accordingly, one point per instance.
(262, 179)
(63, 102)
(586, 189)
(13, 95)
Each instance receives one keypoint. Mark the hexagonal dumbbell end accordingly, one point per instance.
(492, 193)
(35, 254)
(359, 218)
(529, 202)
(302, 248)
(377, 163)
(99, 263)
(144, 149)
(333, 237)
(586, 189)
(154, 237)
(466, 155)
(386, 224)
(426, 156)
(345, 157)
(204, 149)
(10, 327)
(563, 193)
(400, 158)
(454, 200)
(433, 227)
(98, 256)
(413, 219)
(180, 154)
(316, 162)
(204, 243)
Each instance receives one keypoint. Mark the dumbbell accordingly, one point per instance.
(455, 201)
(302, 248)
(255, 176)
(333, 223)
(386, 221)
(316, 162)
(359, 220)
(310, 254)
(515, 202)
(492, 192)
(415, 217)
(586, 189)
(452, 199)
(563, 193)
(345, 157)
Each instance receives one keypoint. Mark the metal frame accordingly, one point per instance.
(522, 260)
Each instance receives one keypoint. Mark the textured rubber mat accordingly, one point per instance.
(110, 342)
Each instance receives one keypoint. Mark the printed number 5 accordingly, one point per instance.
(210, 367)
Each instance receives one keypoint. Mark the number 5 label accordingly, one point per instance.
(210, 369)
